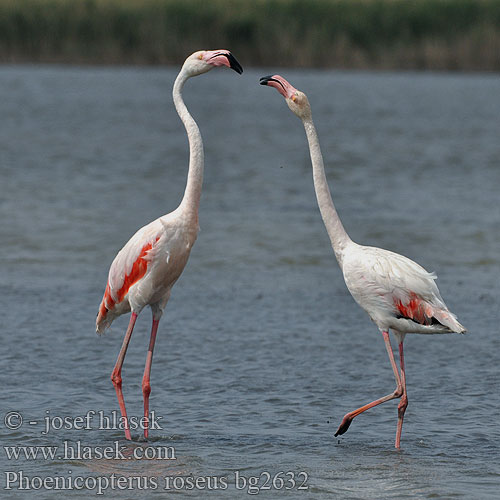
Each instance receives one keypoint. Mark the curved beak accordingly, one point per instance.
(266, 79)
(280, 84)
(222, 58)
(233, 63)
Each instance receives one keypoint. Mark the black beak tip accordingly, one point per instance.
(234, 64)
(265, 80)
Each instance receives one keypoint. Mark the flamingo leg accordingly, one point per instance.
(398, 392)
(404, 399)
(116, 374)
(391, 359)
(146, 387)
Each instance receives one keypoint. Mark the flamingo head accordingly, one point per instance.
(204, 60)
(297, 101)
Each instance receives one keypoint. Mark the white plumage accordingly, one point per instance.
(147, 267)
(388, 286)
(397, 293)
(161, 249)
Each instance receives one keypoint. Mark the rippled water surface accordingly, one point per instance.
(261, 350)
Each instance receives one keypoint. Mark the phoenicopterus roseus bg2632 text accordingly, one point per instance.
(397, 293)
(146, 268)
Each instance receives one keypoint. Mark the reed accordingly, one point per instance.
(418, 34)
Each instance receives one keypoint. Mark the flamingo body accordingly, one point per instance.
(146, 268)
(397, 293)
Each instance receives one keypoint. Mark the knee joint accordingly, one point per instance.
(116, 379)
(403, 404)
(398, 392)
(146, 389)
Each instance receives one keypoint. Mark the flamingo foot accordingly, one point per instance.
(346, 422)
(348, 418)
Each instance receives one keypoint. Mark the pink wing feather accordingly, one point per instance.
(128, 267)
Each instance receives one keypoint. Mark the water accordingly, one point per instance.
(261, 350)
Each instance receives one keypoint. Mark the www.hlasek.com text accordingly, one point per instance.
(78, 451)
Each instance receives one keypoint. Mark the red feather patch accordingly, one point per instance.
(416, 309)
(138, 270)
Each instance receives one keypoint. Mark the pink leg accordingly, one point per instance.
(116, 374)
(348, 418)
(391, 358)
(146, 387)
(404, 399)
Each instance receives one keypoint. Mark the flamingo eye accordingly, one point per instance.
(200, 56)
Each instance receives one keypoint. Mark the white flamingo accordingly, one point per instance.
(146, 268)
(397, 293)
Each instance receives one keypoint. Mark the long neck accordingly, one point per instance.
(192, 194)
(338, 236)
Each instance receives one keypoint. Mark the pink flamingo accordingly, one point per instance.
(396, 292)
(146, 268)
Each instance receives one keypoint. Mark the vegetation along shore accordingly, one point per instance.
(459, 35)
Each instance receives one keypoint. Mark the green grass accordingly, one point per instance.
(437, 34)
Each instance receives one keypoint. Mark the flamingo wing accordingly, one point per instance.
(128, 267)
(381, 280)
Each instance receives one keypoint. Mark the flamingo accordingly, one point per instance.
(146, 268)
(396, 292)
